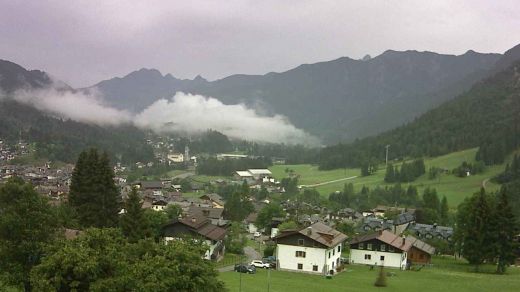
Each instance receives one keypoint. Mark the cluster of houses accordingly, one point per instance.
(9, 152)
(50, 182)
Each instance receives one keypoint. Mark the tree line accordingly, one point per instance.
(408, 172)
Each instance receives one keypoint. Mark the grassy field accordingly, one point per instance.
(455, 189)
(444, 275)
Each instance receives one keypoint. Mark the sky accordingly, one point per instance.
(84, 42)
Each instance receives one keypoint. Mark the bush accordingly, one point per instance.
(269, 250)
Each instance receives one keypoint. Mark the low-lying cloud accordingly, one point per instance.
(182, 113)
(77, 106)
(197, 113)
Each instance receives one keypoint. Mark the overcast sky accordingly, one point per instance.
(84, 42)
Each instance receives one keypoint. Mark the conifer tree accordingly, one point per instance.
(504, 228)
(390, 174)
(93, 193)
(134, 223)
(443, 213)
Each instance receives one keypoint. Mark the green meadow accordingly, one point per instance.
(444, 275)
(454, 188)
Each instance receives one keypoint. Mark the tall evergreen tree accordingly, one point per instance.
(390, 174)
(443, 212)
(504, 228)
(134, 223)
(93, 193)
(477, 235)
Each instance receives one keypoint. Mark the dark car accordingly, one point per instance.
(245, 269)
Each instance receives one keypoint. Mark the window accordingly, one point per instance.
(300, 266)
(383, 247)
(329, 254)
(333, 252)
(369, 246)
(301, 242)
(361, 246)
(382, 258)
(368, 257)
(300, 254)
(339, 248)
(315, 268)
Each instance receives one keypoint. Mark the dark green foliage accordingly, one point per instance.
(93, 193)
(134, 224)
(488, 115)
(212, 142)
(407, 173)
(63, 140)
(381, 278)
(237, 207)
(475, 230)
(234, 240)
(288, 225)
(443, 212)
(27, 224)
(429, 213)
(269, 250)
(290, 185)
(471, 168)
(156, 220)
(227, 167)
(343, 199)
(263, 220)
(505, 228)
(102, 260)
(511, 172)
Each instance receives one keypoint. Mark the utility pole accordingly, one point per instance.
(386, 161)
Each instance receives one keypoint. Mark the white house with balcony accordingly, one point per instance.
(314, 249)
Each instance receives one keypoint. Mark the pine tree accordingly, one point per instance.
(505, 229)
(477, 235)
(134, 223)
(390, 174)
(443, 214)
(93, 193)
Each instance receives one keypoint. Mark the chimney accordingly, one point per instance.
(193, 219)
(205, 212)
(309, 230)
(404, 239)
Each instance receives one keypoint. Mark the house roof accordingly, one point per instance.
(151, 184)
(386, 237)
(212, 213)
(321, 233)
(404, 218)
(201, 226)
(214, 198)
(243, 173)
(419, 244)
(259, 171)
(251, 218)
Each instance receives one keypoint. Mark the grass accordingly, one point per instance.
(444, 275)
(455, 189)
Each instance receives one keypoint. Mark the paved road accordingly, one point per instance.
(327, 182)
(251, 254)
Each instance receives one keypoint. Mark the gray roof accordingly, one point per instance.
(321, 233)
(404, 218)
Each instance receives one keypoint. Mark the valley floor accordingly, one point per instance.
(444, 275)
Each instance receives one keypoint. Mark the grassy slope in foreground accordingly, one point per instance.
(445, 275)
(455, 189)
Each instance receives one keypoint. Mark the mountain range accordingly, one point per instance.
(339, 100)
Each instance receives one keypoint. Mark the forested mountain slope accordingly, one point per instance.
(59, 139)
(488, 115)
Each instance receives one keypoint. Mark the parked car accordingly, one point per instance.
(260, 264)
(245, 269)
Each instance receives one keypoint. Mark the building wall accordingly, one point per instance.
(417, 256)
(287, 259)
(251, 228)
(392, 259)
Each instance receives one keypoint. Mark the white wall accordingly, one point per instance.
(287, 260)
(251, 228)
(396, 260)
